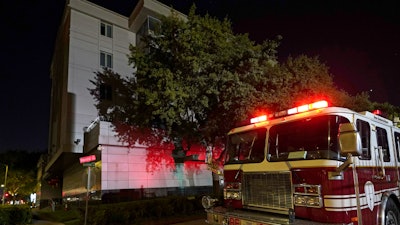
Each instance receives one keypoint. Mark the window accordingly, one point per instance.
(106, 60)
(397, 143)
(151, 26)
(106, 29)
(246, 147)
(311, 138)
(365, 134)
(382, 141)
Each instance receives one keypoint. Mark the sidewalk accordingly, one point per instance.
(39, 221)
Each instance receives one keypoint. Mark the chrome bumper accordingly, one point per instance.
(222, 216)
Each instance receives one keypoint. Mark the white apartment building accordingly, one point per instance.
(91, 37)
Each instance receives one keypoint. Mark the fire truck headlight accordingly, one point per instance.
(307, 195)
(236, 195)
(233, 190)
(314, 201)
(308, 201)
(300, 200)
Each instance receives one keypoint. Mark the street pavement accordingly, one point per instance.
(193, 222)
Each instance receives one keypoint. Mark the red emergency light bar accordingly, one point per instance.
(377, 112)
(258, 119)
(308, 107)
(295, 110)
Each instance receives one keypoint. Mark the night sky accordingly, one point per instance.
(358, 40)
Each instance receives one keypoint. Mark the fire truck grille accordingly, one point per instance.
(268, 191)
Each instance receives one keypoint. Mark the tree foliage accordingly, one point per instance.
(295, 81)
(21, 174)
(20, 183)
(193, 81)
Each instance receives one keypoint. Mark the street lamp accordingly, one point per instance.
(5, 184)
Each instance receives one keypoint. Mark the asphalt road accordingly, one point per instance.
(193, 222)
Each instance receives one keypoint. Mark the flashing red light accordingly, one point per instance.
(308, 107)
(303, 108)
(377, 112)
(258, 119)
(292, 111)
(318, 105)
(299, 109)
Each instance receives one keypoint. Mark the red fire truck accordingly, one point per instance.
(311, 164)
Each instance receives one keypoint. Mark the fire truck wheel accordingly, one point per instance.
(392, 215)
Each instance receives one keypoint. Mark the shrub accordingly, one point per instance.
(136, 211)
(15, 214)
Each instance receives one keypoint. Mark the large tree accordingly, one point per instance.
(194, 80)
(21, 173)
(20, 184)
(300, 80)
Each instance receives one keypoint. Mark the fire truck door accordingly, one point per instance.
(396, 151)
(372, 147)
(382, 152)
(379, 161)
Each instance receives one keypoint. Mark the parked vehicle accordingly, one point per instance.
(311, 164)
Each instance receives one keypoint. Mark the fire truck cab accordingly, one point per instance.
(311, 164)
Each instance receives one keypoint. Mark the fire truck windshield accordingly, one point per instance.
(310, 138)
(246, 147)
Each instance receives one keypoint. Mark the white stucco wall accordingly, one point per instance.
(121, 167)
(126, 168)
(86, 43)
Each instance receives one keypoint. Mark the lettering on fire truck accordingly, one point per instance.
(311, 164)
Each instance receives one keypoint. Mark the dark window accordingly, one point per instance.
(365, 134)
(103, 29)
(105, 92)
(106, 60)
(246, 147)
(311, 138)
(397, 143)
(109, 31)
(382, 140)
(106, 29)
(151, 26)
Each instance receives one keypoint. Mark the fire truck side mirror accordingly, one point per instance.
(349, 140)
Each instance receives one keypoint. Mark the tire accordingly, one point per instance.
(392, 214)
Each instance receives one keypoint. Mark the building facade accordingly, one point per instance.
(90, 38)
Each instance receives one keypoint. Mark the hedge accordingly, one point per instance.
(136, 212)
(15, 215)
